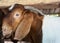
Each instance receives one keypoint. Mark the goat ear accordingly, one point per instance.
(24, 27)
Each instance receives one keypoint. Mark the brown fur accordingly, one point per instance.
(35, 34)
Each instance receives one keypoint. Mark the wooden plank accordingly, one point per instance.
(50, 8)
(27, 2)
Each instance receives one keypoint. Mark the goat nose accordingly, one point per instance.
(6, 30)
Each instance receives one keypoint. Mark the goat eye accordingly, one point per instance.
(17, 14)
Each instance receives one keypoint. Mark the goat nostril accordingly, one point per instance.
(4, 29)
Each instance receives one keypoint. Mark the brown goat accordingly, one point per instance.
(25, 24)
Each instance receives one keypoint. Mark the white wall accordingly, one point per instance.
(51, 29)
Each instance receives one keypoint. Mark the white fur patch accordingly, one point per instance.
(51, 29)
(8, 42)
(17, 42)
